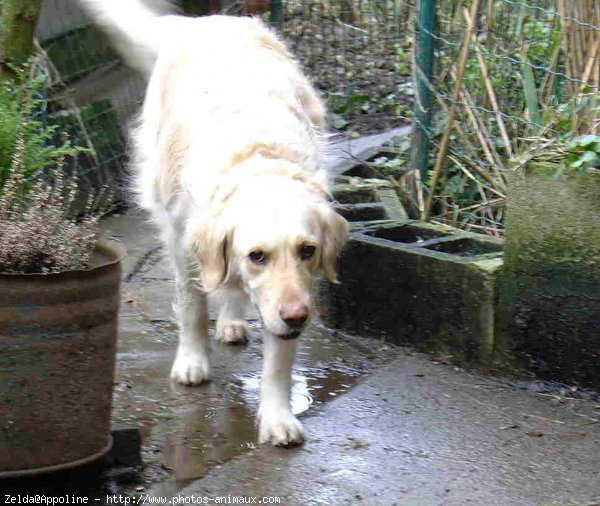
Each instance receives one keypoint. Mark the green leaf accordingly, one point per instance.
(531, 96)
(587, 140)
(587, 158)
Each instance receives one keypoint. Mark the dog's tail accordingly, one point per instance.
(132, 26)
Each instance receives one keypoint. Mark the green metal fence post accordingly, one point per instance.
(277, 13)
(424, 27)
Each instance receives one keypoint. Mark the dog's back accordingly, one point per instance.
(228, 155)
(220, 88)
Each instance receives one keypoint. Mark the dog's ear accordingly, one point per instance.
(334, 233)
(209, 242)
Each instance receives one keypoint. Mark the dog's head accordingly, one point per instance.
(273, 234)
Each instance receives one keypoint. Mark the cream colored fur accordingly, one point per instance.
(227, 156)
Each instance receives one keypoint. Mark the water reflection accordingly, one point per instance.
(186, 431)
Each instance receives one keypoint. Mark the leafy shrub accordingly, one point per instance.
(21, 109)
(43, 225)
(584, 152)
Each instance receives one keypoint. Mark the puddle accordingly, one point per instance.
(208, 434)
(310, 386)
(186, 431)
(300, 399)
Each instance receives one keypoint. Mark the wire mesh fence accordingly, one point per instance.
(358, 54)
(92, 97)
(356, 51)
(506, 74)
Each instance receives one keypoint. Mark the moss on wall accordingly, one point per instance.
(549, 288)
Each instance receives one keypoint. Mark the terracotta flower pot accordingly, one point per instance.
(58, 335)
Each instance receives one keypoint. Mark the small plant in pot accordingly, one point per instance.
(59, 300)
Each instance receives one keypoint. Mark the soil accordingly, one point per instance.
(363, 71)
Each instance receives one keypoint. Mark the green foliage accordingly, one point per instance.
(393, 161)
(403, 60)
(541, 37)
(583, 152)
(22, 111)
(46, 225)
(559, 154)
(530, 92)
(341, 103)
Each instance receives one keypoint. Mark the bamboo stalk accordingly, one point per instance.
(493, 231)
(583, 119)
(470, 176)
(490, 21)
(482, 172)
(419, 191)
(549, 77)
(441, 155)
(562, 9)
(478, 130)
(484, 137)
(593, 45)
(475, 206)
(490, 89)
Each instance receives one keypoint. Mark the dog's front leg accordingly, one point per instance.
(191, 364)
(231, 326)
(277, 424)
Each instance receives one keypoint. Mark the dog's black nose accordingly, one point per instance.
(295, 322)
(294, 314)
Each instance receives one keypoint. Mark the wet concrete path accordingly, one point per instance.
(384, 425)
(417, 433)
(188, 431)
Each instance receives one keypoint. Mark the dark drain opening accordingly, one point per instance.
(407, 234)
(466, 247)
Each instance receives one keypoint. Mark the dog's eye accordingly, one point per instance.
(306, 251)
(258, 257)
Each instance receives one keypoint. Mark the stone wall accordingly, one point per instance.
(549, 312)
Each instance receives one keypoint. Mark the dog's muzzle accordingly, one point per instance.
(292, 334)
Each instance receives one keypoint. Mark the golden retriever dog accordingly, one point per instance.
(227, 163)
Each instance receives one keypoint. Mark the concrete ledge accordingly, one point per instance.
(537, 308)
(418, 284)
(363, 196)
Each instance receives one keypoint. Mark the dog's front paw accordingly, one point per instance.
(190, 369)
(232, 332)
(280, 429)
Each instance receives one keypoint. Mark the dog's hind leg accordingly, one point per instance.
(277, 424)
(231, 326)
(191, 364)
